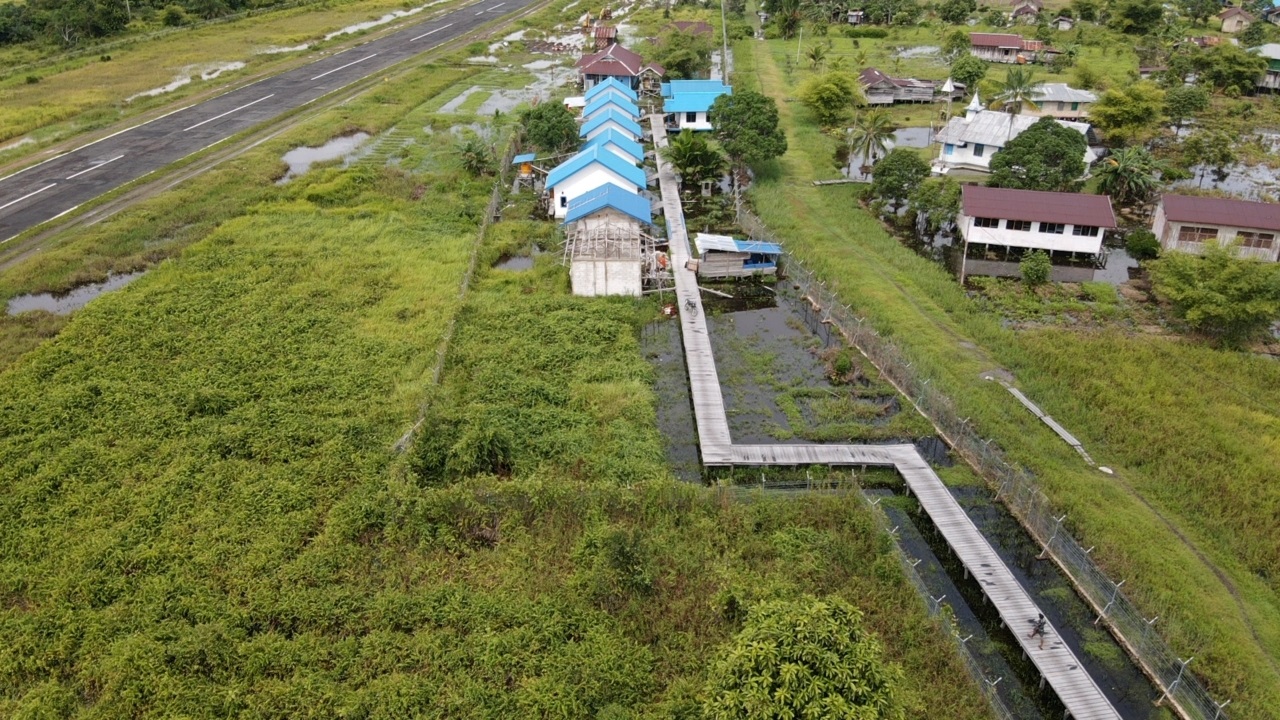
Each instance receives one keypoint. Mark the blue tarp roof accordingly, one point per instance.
(609, 196)
(676, 87)
(611, 101)
(596, 155)
(611, 84)
(690, 102)
(759, 247)
(605, 116)
(621, 140)
(527, 157)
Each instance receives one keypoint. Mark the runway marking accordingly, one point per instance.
(24, 197)
(330, 72)
(431, 32)
(216, 117)
(495, 7)
(95, 167)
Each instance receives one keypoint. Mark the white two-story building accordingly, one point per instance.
(968, 141)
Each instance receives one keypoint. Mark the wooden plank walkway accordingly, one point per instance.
(1057, 663)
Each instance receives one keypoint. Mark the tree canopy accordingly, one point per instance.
(550, 126)
(1225, 297)
(1129, 175)
(808, 658)
(897, 175)
(938, 200)
(693, 158)
(1046, 156)
(1129, 115)
(831, 96)
(969, 71)
(683, 55)
(746, 125)
(1182, 102)
(1230, 69)
(1136, 17)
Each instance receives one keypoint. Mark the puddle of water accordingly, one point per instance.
(540, 65)
(513, 37)
(301, 159)
(389, 17)
(519, 262)
(186, 75)
(912, 137)
(1253, 182)
(483, 60)
(65, 303)
(543, 87)
(275, 50)
(919, 51)
(1120, 268)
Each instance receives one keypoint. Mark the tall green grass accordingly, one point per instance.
(1188, 521)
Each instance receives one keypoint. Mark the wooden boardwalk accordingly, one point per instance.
(1057, 664)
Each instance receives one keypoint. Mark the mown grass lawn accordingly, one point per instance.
(1189, 521)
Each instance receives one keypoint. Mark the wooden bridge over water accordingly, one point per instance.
(1057, 664)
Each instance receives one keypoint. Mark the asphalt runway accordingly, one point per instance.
(61, 184)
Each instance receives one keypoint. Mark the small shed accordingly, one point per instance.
(607, 243)
(721, 256)
(524, 163)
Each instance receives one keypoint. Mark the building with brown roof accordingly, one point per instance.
(1006, 48)
(1188, 223)
(880, 89)
(1234, 20)
(998, 222)
(602, 35)
(618, 62)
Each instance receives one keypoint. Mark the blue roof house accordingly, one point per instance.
(611, 86)
(610, 118)
(611, 100)
(610, 203)
(620, 144)
(604, 239)
(686, 107)
(591, 168)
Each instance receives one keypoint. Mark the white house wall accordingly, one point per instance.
(699, 122)
(962, 156)
(1167, 231)
(585, 180)
(1032, 239)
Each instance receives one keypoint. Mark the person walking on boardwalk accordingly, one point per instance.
(1039, 629)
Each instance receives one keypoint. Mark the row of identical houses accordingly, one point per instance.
(600, 194)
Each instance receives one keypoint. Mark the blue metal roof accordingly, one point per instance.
(611, 101)
(676, 87)
(758, 247)
(596, 155)
(612, 136)
(605, 116)
(527, 157)
(690, 102)
(611, 84)
(609, 196)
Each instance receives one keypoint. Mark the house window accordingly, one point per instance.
(948, 149)
(1020, 225)
(986, 222)
(978, 149)
(1063, 106)
(1084, 230)
(1193, 234)
(1052, 228)
(691, 117)
(564, 201)
(1262, 241)
(1075, 106)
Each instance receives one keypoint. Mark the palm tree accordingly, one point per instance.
(1017, 90)
(817, 56)
(869, 137)
(1130, 175)
(693, 158)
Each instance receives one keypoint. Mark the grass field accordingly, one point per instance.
(1189, 521)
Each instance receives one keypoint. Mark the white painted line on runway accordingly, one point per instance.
(95, 167)
(216, 117)
(495, 7)
(24, 197)
(330, 72)
(431, 32)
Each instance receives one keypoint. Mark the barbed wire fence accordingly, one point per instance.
(1017, 489)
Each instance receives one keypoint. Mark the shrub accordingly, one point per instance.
(174, 16)
(33, 79)
(858, 32)
(1035, 268)
(1142, 245)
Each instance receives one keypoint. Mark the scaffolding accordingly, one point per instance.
(619, 254)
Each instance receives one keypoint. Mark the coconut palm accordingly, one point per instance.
(1130, 175)
(869, 137)
(693, 158)
(860, 58)
(1017, 90)
(817, 55)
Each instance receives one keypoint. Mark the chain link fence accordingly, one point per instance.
(1019, 491)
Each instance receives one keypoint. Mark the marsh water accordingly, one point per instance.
(300, 159)
(773, 354)
(64, 303)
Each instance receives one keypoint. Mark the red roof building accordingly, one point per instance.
(619, 62)
(1188, 223)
